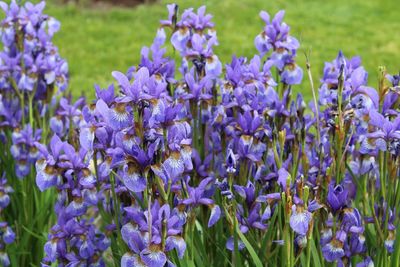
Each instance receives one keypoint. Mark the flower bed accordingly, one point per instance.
(194, 162)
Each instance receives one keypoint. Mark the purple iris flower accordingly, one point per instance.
(386, 132)
(247, 192)
(337, 197)
(75, 242)
(367, 262)
(333, 250)
(5, 190)
(251, 148)
(4, 259)
(23, 149)
(194, 38)
(159, 66)
(275, 34)
(41, 63)
(231, 162)
(6, 233)
(119, 116)
(352, 221)
(390, 241)
(199, 90)
(254, 220)
(189, 20)
(147, 250)
(133, 179)
(230, 244)
(364, 99)
(381, 210)
(46, 173)
(197, 196)
(171, 169)
(292, 74)
(130, 259)
(132, 91)
(356, 245)
(172, 13)
(300, 219)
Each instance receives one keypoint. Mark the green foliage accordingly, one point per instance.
(98, 40)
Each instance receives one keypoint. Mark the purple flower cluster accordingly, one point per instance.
(24, 150)
(29, 61)
(143, 136)
(31, 73)
(194, 38)
(163, 156)
(7, 235)
(371, 121)
(76, 238)
(281, 47)
(158, 149)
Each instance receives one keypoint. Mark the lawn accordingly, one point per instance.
(96, 41)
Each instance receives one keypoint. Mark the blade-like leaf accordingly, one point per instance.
(253, 254)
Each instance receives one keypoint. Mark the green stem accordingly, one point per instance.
(310, 78)
(117, 214)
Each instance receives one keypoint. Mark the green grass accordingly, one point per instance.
(97, 41)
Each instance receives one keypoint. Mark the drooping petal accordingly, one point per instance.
(50, 248)
(4, 259)
(87, 178)
(174, 165)
(215, 215)
(333, 251)
(86, 250)
(133, 180)
(76, 208)
(46, 175)
(8, 235)
(180, 38)
(86, 138)
(131, 260)
(300, 220)
(153, 256)
(213, 66)
(120, 117)
(292, 75)
(178, 243)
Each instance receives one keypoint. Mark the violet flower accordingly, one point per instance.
(387, 131)
(337, 197)
(300, 219)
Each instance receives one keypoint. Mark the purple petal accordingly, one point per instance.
(121, 79)
(130, 260)
(153, 256)
(178, 243)
(230, 244)
(300, 220)
(215, 215)
(86, 138)
(333, 251)
(133, 180)
(45, 175)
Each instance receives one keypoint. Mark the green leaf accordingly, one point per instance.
(315, 254)
(253, 254)
(268, 235)
(395, 261)
(237, 259)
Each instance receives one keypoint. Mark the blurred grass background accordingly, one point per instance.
(99, 39)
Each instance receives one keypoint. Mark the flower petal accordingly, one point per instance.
(215, 215)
